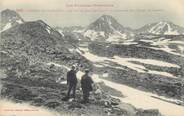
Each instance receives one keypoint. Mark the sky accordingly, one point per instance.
(130, 13)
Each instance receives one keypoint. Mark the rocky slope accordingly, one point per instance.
(39, 42)
(42, 85)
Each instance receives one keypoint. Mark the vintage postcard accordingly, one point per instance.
(92, 58)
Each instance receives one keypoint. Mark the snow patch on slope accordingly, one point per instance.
(19, 21)
(48, 29)
(117, 36)
(61, 32)
(151, 62)
(78, 30)
(164, 45)
(94, 34)
(127, 62)
(7, 26)
(168, 50)
(171, 31)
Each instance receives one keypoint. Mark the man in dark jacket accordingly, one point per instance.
(72, 81)
(86, 85)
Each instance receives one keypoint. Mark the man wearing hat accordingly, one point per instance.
(72, 81)
(86, 85)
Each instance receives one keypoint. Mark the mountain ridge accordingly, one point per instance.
(10, 18)
(162, 28)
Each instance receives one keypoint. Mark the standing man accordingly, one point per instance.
(86, 85)
(72, 81)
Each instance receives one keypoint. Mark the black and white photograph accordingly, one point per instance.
(92, 58)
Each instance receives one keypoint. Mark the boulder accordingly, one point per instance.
(119, 112)
(52, 104)
(74, 105)
(115, 101)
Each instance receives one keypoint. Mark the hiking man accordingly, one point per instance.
(72, 81)
(86, 85)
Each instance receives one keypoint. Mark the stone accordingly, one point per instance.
(52, 104)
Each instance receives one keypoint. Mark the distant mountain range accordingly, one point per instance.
(107, 28)
(104, 28)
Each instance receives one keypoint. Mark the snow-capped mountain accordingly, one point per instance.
(162, 28)
(107, 28)
(9, 18)
(105, 23)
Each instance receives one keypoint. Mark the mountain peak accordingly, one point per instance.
(8, 11)
(105, 23)
(106, 17)
(9, 14)
(107, 27)
(10, 18)
(162, 28)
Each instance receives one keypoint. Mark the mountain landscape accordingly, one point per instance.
(127, 64)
